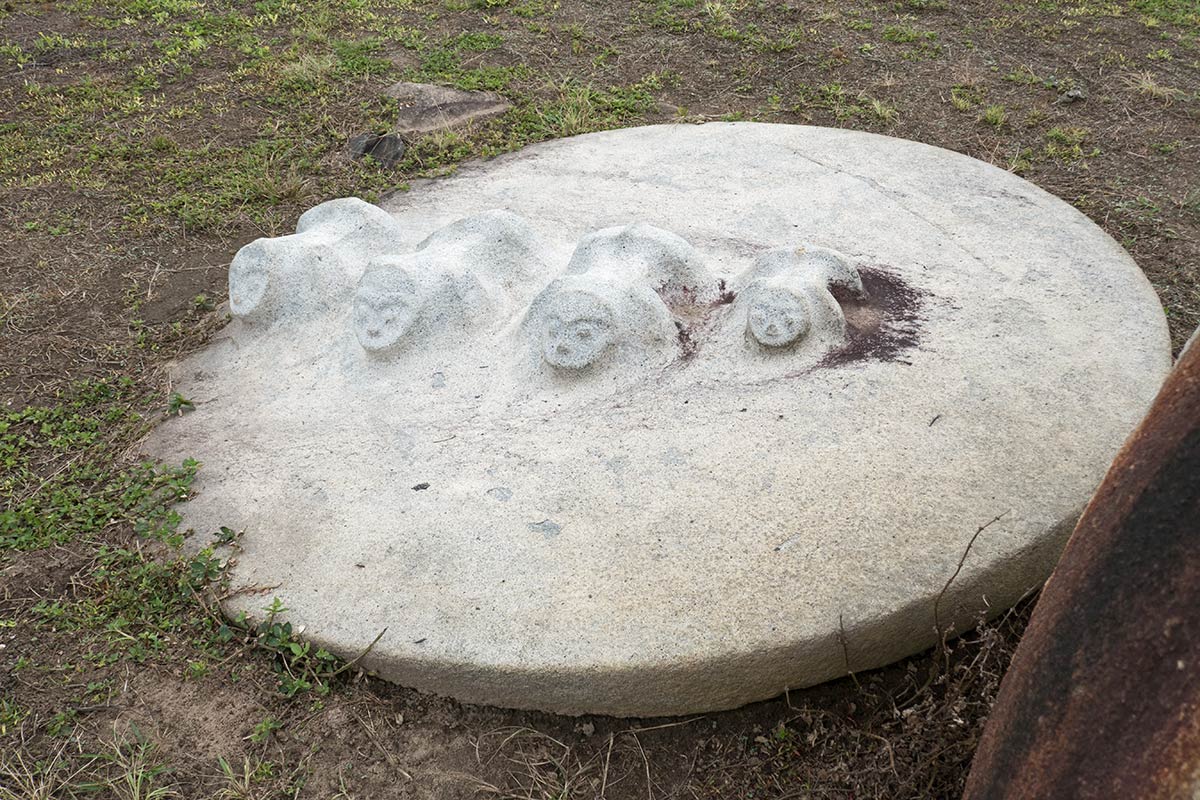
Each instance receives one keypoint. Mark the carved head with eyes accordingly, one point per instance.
(386, 305)
(577, 327)
(778, 313)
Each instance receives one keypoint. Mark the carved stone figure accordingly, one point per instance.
(641, 253)
(473, 270)
(617, 296)
(579, 319)
(297, 276)
(788, 294)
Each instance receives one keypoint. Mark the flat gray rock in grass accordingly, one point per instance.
(801, 369)
(427, 107)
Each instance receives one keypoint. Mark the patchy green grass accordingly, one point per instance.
(1184, 13)
(57, 484)
(133, 137)
(1068, 144)
(994, 116)
(965, 97)
(64, 483)
(142, 141)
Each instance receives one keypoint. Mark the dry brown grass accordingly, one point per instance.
(1145, 83)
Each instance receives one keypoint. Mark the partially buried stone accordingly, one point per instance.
(387, 150)
(425, 107)
(1071, 95)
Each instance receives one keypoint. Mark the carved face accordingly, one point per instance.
(386, 305)
(778, 316)
(249, 279)
(577, 329)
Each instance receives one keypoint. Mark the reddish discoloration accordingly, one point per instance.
(693, 316)
(1103, 696)
(725, 295)
(882, 324)
(687, 345)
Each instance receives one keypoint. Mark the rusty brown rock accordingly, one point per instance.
(1103, 696)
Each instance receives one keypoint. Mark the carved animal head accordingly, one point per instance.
(386, 306)
(282, 277)
(778, 314)
(576, 328)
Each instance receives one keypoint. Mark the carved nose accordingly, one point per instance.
(562, 349)
(772, 329)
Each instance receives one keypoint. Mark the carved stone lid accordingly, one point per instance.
(689, 518)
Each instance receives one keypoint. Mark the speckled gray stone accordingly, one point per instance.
(690, 518)
(291, 279)
(480, 269)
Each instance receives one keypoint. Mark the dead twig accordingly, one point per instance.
(962, 560)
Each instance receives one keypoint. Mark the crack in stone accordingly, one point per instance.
(892, 198)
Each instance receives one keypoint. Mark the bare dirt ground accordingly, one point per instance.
(143, 141)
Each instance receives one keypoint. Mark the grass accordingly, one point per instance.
(1067, 144)
(965, 97)
(129, 769)
(52, 487)
(143, 140)
(903, 34)
(48, 779)
(65, 484)
(1147, 84)
(994, 115)
(214, 185)
(125, 768)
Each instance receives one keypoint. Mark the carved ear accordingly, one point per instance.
(587, 250)
(820, 265)
(332, 214)
(345, 216)
(250, 277)
(764, 266)
(300, 274)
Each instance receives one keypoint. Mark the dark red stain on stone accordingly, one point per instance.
(1102, 699)
(882, 324)
(687, 345)
(725, 295)
(693, 316)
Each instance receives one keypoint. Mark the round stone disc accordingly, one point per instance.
(715, 531)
